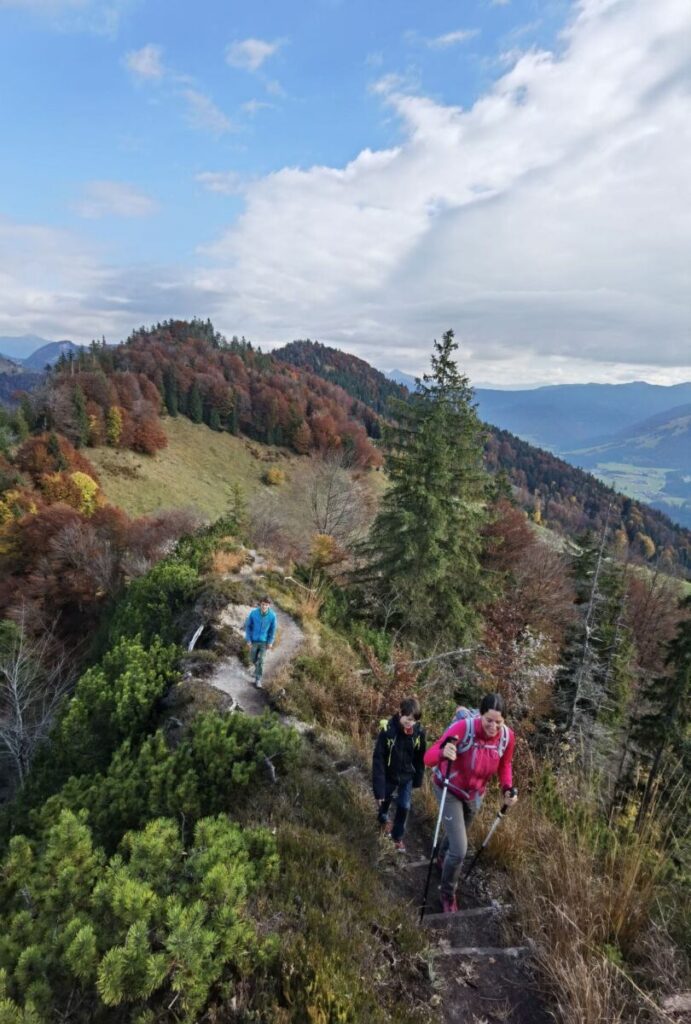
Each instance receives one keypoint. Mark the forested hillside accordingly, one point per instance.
(354, 375)
(556, 493)
(116, 394)
(167, 858)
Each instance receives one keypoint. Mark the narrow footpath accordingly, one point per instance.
(480, 974)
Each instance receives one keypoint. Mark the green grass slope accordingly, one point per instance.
(197, 470)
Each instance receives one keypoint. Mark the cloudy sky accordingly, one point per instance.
(368, 174)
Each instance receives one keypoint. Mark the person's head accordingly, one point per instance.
(492, 708)
(409, 712)
(264, 604)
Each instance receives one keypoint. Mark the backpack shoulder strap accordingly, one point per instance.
(469, 737)
(503, 740)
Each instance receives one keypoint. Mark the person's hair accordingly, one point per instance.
(411, 708)
(493, 702)
(265, 600)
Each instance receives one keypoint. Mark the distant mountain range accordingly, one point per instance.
(9, 367)
(636, 437)
(33, 353)
(22, 362)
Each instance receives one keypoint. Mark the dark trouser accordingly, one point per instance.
(402, 794)
(257, 658)
(457, 817)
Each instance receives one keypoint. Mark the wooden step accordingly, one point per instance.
(493, 908)
(483, 952)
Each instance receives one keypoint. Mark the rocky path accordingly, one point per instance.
(481, 975)
(237, 681)
(481, 971)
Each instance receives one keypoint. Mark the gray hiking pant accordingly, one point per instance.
(456, 819)
(257, 655)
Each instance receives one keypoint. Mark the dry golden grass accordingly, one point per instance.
(228, 561)
(585, 897)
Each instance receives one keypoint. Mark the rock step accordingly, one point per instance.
(493, 908)
(483, 952)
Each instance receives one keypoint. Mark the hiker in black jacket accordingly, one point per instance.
(398, 768)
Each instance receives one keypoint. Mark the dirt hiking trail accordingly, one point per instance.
(480, 973)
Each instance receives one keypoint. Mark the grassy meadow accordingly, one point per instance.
(197, 470)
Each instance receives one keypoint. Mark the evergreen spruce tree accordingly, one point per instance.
(214, 418)
(664, 728)
(21, 427)
(425, 543)
(196, 407)
(170, 392)
(233, 424)
(81, 417)
(53, 447)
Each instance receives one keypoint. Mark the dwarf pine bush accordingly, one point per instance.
(154, 924)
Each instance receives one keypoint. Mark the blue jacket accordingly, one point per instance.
(260, 629)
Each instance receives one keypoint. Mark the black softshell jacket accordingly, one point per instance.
(397, 757)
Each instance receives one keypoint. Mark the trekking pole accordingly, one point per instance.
(502, 811)
(435, 844)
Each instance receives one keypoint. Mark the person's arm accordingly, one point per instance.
(454, 733)
(271, 631)
(420, 761)
(378, 769)
(505, 767)
(248, 628)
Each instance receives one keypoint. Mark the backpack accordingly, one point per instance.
(469, 739)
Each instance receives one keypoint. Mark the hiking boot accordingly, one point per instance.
(386, 827)
(399, 845)
(449, 904)
(258, 684)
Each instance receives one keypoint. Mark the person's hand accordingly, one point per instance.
(510, 798)
(271, 647)
(449, 751)
(249, 645)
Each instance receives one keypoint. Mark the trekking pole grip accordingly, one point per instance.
(507, 807)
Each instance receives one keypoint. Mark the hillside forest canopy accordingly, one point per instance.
(155, 843)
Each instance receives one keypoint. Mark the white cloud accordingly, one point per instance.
(202, 113)
(55, 284)
(99, 16)
(250, 54)
(274, 88)
(550, 224)
(114, 199)
(461, 35)
(45, 6)
(253, 107)
(146, 63)
(226, 183)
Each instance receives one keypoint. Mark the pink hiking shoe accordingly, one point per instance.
(449, 904)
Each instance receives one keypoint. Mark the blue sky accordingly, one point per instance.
(368, 174)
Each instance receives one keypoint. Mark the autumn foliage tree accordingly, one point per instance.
(117, 395)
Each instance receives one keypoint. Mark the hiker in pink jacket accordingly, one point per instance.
(471, 750)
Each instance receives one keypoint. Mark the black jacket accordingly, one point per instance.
(397, 757)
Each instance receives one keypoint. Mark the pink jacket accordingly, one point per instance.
(471, 771)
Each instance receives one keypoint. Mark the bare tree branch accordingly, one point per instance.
(34, 678)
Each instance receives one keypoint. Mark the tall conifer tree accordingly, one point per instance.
(664, 728)
(425, 543)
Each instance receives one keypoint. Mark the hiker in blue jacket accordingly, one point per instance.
(260, 630)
